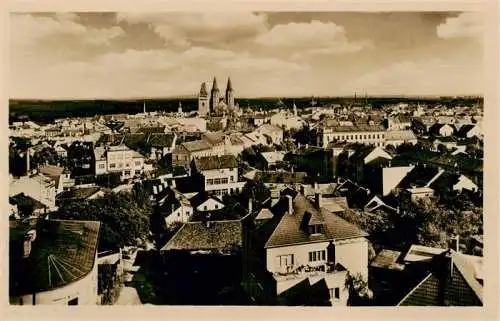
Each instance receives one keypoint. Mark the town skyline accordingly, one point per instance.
(167, 55)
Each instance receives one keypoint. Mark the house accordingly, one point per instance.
(203, 260)
(361, 133)
(176, 208)
(452, 279)
(282, 120)
(161, 144)
(271, 159)
(273, 133)
(399, 137)
(440, 129)
(450, 181)
(276, 181)
(449, 142)
(218, 174)
(383, 175)
(310, 244)
(53, 262)
(469, 131)
(38, 187)
(185, 152)
(397, 123)
(79, 194)
(60, 175)
(23, 205)
(119, 159)
(354, 160)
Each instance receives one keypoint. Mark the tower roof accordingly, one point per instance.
(214, 86)
(229, 85)
(203, 90)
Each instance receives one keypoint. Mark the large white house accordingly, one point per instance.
(369, 134)
(219, 174)
(310, 242)
(39, 187)
(118, 159)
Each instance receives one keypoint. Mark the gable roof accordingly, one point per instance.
(280, 177)
(264, 214)
(161, 139)
(215, 162)
(220, 235)
(63, 252)
(289, 231)
(447, 284)
(419, 176)
(78, 193)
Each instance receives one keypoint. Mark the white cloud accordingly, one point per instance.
(467, 24)
(428, 77)
(210, 27)
(313, 38)
(29, 30)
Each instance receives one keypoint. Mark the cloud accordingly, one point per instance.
(467, 24)
(30, 30)
(200, 28)
(438, 76)
(313, 38)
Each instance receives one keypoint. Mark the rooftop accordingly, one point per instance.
(63, 252)
(219, 235)
(215, 162)
(289, 230)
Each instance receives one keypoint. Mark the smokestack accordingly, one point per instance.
(290, 204)
(28, 162)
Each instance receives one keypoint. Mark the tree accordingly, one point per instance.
(441, 148)
(390, 149)
(47, 155)
(125, 221)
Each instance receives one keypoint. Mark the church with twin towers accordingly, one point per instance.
(216, 104)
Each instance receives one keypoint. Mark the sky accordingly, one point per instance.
(278, 54)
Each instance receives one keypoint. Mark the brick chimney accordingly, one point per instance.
(28, 239)
(290, 204)
(317, 197)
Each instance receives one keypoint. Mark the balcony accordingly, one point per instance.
(307, 271)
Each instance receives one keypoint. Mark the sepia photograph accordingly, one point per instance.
(249, 158)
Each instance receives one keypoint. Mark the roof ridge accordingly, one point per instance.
(415, 288)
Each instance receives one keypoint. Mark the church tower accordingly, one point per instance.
(203, 102)
(214, 96)
(229, 94)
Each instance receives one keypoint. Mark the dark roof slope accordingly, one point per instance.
(220, 235)
(161, 140)
(289, 230)
(281, 177)
(445, 286)
(418, 176)
(215, 162)
(63, 252)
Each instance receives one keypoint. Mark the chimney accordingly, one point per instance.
(28, 238)
(302, 190)
(331, 255)
(250, 207)
(317, 196)
(290, 204)
(28, 162)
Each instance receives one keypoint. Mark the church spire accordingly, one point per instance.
(229, 85)
(203, 90)
(214, 86)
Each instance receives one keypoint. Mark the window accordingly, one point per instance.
(112, 165)
(335, 293)
(127, 165)
(101, 166)
(137, 172)
(317, 256)
(285, 260)
(127, 173)
(120, 165)
(315, 229)
(216, 206)
(137, 163)
(205, 208)
(73, 301)
(232, 179)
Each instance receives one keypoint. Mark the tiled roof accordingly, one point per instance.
(387, 259)
(264, 214)
(289, 231)
(220, 235)
(213, 138)
(51, 170)
(78, 193)
(196, 145)
(447, 284)
(21, 199)
(215, 162)
(419, 176)
(63, 252)
(161, 140)
(400, 135)
(281, 177)
(152, 130)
